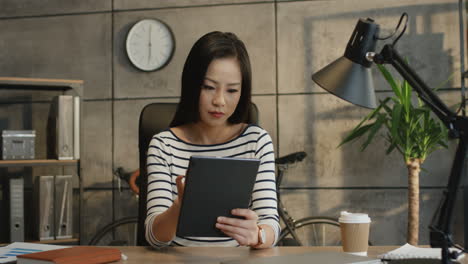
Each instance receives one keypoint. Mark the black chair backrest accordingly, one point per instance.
(154, 118)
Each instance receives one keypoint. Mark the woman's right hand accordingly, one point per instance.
(180, 182)
(166, 222)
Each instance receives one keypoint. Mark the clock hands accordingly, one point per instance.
(149, 44)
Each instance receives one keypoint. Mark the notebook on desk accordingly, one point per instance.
(308, 258)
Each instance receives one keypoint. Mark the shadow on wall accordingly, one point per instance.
(388, 204)
(97, 213)
(16, 113)
(103, 205)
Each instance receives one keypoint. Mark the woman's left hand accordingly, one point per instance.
(244, 231)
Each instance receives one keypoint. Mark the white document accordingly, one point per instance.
(8, 253)
(408, 251)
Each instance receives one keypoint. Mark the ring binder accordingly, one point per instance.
(16, 209)
(60, 126)
(54, 209)
(63, 206)
(45, 207)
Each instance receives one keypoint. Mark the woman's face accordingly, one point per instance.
(220, 91)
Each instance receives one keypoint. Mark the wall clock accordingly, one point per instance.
(150, 44)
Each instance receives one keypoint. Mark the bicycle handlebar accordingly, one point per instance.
(291, 158)
(130, 178)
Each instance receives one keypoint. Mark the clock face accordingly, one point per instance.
(150, 44)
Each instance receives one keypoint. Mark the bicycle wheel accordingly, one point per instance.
(122, 232)
(313, 231)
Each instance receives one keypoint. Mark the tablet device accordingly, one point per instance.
(213, 187)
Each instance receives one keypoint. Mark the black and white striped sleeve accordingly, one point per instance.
(264, 196)
(160, 192)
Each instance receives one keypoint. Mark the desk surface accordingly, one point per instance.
(215, 255)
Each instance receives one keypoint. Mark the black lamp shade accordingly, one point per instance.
(349, 81)
(349, 77)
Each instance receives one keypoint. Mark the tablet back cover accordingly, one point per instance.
(213, 187)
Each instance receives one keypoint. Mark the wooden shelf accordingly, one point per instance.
(66, 241)
(72, 87)
(38, 83)
(20, 80)
(38, 162)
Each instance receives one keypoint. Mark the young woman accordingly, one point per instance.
(212, 120)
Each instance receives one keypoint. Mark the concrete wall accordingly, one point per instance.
(287, 41)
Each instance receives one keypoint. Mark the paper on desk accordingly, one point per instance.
(8, 253)
(408, 251)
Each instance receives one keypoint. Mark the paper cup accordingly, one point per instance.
(354, 233)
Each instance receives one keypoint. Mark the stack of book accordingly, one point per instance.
(72, 255)
(31, 253)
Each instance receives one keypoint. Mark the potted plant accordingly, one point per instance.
(411, 130)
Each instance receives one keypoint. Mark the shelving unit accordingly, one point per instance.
(66, 87)
(38, 162)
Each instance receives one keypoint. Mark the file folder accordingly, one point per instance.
(44, 193)
(16, 209)
(60, 128)
(63, 206)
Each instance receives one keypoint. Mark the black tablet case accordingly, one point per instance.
(213, 187)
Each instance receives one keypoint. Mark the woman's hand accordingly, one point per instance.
(166, 222)
(180, 190)
(244, 231)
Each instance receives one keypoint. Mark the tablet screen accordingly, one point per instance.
(213, 187)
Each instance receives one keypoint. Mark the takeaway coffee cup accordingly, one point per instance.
(354, 232)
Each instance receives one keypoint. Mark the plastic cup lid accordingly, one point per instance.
(347, 217)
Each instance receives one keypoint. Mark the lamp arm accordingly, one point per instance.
(440, 228)
(390, 55)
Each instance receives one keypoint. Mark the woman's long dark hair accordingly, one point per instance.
(214, 45)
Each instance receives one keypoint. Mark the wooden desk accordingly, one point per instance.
(216, 254)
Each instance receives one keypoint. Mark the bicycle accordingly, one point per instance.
(308, 231)
(121, 232)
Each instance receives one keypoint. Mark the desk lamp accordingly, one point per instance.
(349, 78)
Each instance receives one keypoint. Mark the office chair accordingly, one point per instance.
(154, 118)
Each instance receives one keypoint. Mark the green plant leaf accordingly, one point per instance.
(388, 76)
(396, 118)
(407, 96)
(410, 128)
(390, 148)
(356, 133)
(373, 130)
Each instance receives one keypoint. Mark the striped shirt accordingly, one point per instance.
(168, 157)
